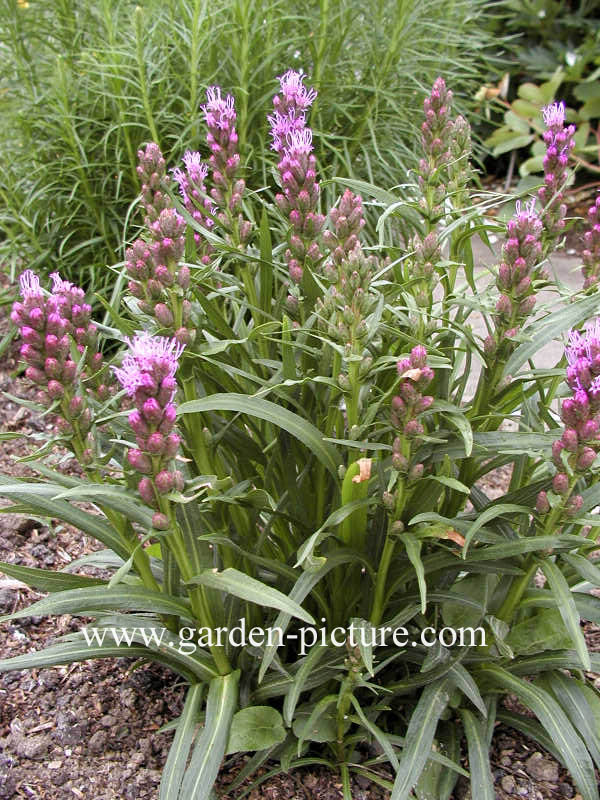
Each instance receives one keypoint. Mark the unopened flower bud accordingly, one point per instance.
(399, 462)
(139, 461)
(560, 483)
(574, 505)
(146, 491)
(160, 521)
(153, 413)
(164, 315)
(55, 390)
(570, 440)
(416, 472)
(164, 482)
(389, 500)
(586, 459)
(542, 506)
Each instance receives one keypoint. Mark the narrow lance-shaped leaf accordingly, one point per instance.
(174, 769)
(573, 751)
(482, 783)
(419, 737)
(46, 580)
(244, 586)
(295, 425)
(568, 609)
(210, 747)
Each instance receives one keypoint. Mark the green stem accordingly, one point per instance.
(381, 580)
(516, 590)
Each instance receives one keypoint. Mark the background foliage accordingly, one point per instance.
(84, 84)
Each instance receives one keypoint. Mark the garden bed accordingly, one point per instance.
(66, 732)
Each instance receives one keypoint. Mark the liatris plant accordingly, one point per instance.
(46, 325)
(591, 252)
(301, 509)
(443, 176)
(559, 143)
(576, 450)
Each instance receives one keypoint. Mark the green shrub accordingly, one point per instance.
(85, 84)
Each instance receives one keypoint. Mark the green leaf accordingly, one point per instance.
(532, 93)
(255, 728)
(77, 649)
(115, 497)
(376, 732)
(306, 667)
(241, 585)
(210, 746)
(516, 123)
(568, 610)
(573, 752)
(548, 330)
(452, 483)
(174, 769)
(456, 613)
(82, 602)
(514, 143)
(543, 631)
(306, 551)
(582, 565)
(302, 430)
(571, 696)
(47, 580)
(318, 724)
(462, 679)
(419, 737)
(413, 551)
(482, 783)
(488, 515)
(41, 503)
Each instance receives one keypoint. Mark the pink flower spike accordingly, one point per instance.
(219, 111)
(148, 354)
(59, 285)
(554, 115)
(197, 170)
(294, 91)
(30, 285)
(299, 142)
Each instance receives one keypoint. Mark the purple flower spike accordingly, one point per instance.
(228, 189)
(591, 252)
(295, 95)
(559, 143)
(220, 113)
(290, 108)
(292, 139)
(195, 198)
(521, 256)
